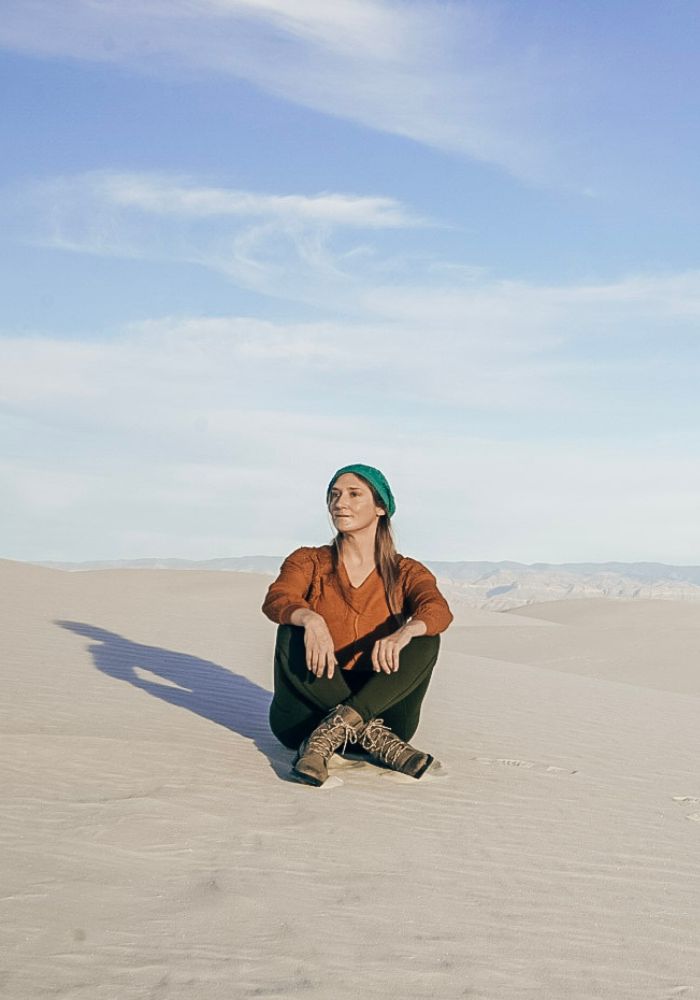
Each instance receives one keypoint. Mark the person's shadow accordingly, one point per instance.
(199, 686)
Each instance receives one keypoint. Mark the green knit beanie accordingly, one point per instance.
(373, 476)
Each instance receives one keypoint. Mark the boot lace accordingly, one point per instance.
(380, 740)
(326, 739)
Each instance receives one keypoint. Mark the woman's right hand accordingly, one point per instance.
(320, 652)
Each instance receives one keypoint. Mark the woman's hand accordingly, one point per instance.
(320, 652)
(385, 654)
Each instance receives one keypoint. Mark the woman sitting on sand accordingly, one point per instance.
(357, 638)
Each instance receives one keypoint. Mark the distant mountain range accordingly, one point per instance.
(493, 585)
(238, 564)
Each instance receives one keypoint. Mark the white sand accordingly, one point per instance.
(151, 846)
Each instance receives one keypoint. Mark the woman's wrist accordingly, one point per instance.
(413, 628)
(304, 617)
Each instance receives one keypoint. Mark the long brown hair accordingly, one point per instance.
(386, 558)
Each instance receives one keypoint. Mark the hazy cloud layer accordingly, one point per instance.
(239, 415)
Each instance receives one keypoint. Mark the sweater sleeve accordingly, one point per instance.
(424, 600)
(288, 592)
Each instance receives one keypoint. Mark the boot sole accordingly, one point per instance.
(307, 779)
(406, 774)
(421, 772)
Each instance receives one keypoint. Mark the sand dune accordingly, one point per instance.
(151, 846)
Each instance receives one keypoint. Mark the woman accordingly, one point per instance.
(358, 636)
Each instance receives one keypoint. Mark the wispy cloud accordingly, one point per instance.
(165, 195)
(433, 73)
(303, 247)
(545, 315)
(344, 26)
(319, 250)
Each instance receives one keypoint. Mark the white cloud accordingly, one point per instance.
(165, 195)
(433, 73)
(481, 306)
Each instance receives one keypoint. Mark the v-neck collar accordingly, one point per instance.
(347, 577)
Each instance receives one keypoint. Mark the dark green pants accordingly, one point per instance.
(301, 699)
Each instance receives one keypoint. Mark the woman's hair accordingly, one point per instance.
(386, 557)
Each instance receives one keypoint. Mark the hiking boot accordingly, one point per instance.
(341, 726)
(391, 750)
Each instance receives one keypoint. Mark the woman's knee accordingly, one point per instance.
(290, 650)
(430, 643)
(287, 637)
(289, 727)
(286, 737)
(421, 652)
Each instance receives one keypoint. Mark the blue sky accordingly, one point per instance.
(245, 242)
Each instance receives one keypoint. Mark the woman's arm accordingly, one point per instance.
(320, 650)
(429, 613)
(425, 602)
(303, 616)
(415, 627)
(286, 604)
(289, 590)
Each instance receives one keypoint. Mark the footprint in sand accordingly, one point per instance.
(351, 767)
(436, 772)
(331, 782)
(525, 764)
(343, 764)
(689, 800)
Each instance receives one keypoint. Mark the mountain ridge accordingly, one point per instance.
(495, 585)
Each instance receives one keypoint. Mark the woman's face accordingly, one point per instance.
(352, 505)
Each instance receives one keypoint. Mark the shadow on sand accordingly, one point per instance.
(199, 686)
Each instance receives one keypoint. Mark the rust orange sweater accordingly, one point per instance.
(356, 616)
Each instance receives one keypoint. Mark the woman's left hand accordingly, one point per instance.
(385, 653)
